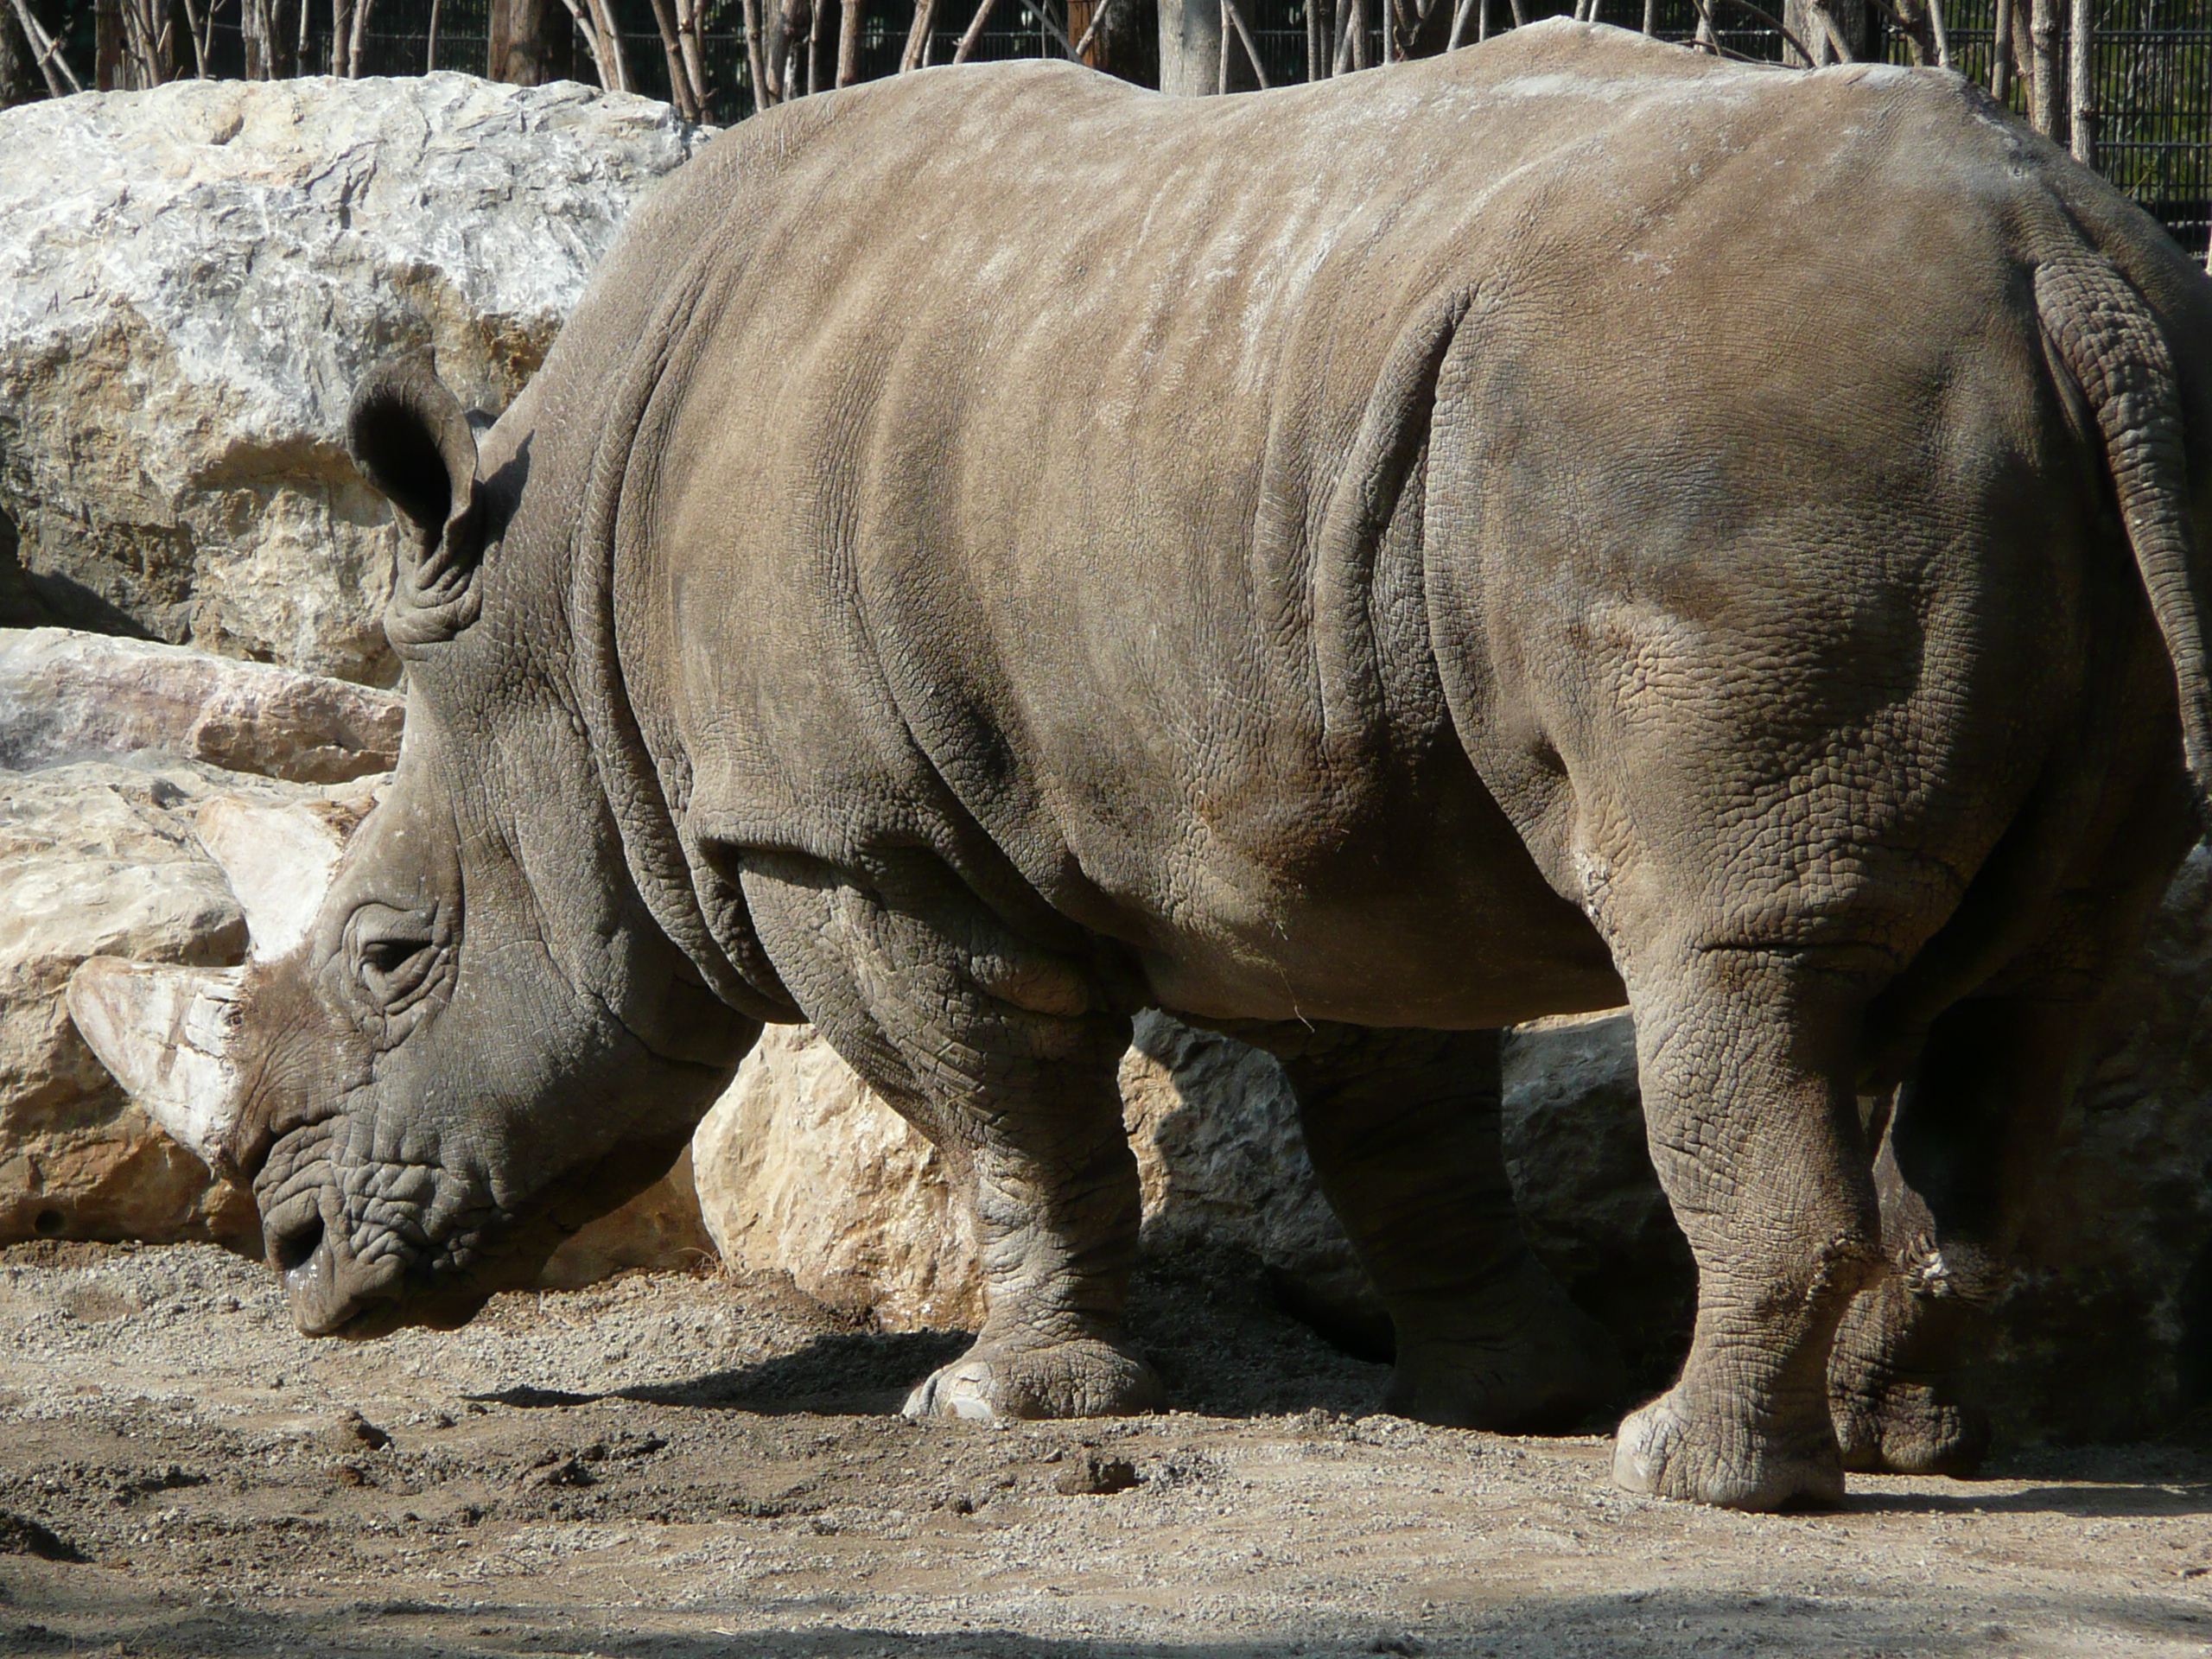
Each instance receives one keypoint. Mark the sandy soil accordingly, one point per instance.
(692, 1467)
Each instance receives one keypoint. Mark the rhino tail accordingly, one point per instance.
(2111, 347)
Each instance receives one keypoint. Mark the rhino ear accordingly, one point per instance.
(411, 440)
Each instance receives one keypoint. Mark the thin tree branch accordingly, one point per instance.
(1465, 11)
(361, 10)
(679, 84)
(430, 46)
(756, 58)
(1245, 34)
(848, 42)
(1769, 18)
(974, 32)
(1098, 17)
(918, 37)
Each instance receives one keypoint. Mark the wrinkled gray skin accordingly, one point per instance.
(1360, 565)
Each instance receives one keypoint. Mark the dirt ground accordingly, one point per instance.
(692, 1467)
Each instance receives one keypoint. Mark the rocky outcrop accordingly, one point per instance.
(185, 304)
(100, 858)
(68, 695)
(802, 1169)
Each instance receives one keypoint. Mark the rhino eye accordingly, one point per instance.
(396, 956)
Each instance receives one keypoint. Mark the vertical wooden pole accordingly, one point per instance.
(848, 42)
(2000, 53)
(2082, 84)
(2043, 109)
(107, 45)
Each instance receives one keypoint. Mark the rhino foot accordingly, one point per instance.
(1670, 1450)
(1908, 1428)
(1084, 1378)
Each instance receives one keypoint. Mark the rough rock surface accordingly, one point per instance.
(70, 695)
(99, 859)
(186, 304)
(801, 1169)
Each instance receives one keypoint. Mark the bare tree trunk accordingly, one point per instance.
(695, 56)
(202, 27)
(1942, 36)
(814, 46)
(1189, 46)
(2082, 85)
(917, 36)
(756, 57)
(1833, 31)
(1359, 34)
(2000, 53)
(107, 45)
(623, 81)
(20, 81)
(531, 42)
(848, 42)
(2042, 88)
(1317, 43)
(672, 46)
(361, 10)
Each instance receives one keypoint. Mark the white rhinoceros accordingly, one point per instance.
(1363, 564)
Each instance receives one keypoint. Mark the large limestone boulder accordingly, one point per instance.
(69, 695)
(101, 858)
(193, 278)
(801, 1169)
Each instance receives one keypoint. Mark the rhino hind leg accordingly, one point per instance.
(1973, 1126)
(1747, 1061)
(1000, 1053)
(1403, 1129)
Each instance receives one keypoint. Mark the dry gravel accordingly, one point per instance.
(691, 1467)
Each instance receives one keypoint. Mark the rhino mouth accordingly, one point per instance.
(363, 1250)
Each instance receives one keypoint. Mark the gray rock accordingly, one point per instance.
(1591, 1206)
(67, 696)
(191, 280)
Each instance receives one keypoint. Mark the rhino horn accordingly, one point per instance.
(278, 860)
(166, 1033)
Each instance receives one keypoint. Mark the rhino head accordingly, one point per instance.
(481, 1038)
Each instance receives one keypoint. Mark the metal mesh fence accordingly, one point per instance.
(2153, 63)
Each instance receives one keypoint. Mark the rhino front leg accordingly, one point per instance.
(1403, 1130)
(1002, 1054)
(1974, 1127)
(1746, 1061)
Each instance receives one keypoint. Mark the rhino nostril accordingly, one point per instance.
(293, 1247)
